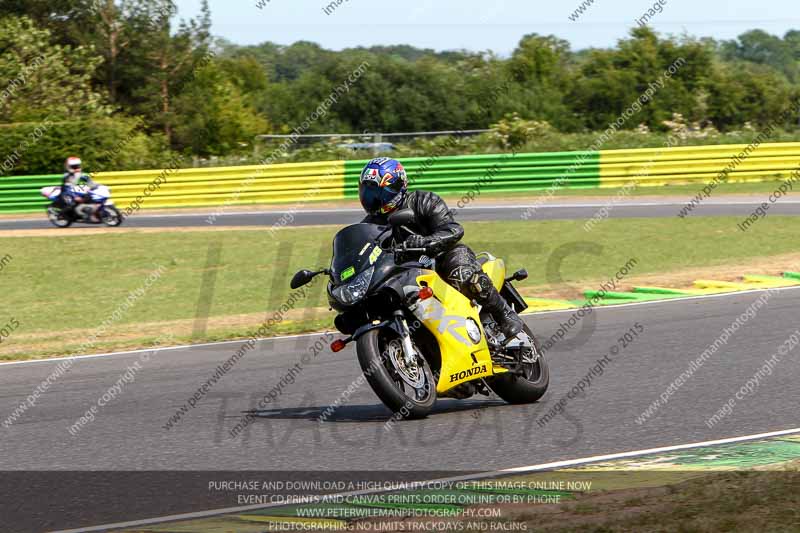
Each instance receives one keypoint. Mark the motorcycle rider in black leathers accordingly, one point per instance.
(383, 189)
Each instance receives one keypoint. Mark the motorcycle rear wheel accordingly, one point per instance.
(57, 218)
(526, 388)
(374, 355)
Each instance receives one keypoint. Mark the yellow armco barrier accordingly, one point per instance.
(176, 187)
(698, 164)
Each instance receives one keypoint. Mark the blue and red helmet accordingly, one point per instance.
(382, 186)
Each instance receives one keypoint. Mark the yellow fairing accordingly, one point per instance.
(496, 270)
(446, 316)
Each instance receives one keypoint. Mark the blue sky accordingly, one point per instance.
(482, 24)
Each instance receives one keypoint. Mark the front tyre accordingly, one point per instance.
(531, 385)
(111, 216)
(408, 390)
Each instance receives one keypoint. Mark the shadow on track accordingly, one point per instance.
(367, 413)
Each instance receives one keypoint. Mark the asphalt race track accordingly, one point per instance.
(128, 434)
(477, 434)
(555, 210)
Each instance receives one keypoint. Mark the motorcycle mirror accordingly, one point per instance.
(302, 278)
(404, 217)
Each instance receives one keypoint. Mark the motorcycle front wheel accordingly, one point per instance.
(409, 391)
(57, 218)
(111, 216)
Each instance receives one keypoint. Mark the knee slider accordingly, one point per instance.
(481, 284)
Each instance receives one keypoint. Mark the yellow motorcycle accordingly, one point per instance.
(417, 337)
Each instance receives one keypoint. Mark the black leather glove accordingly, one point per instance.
(417, 241)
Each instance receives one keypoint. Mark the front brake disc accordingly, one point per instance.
(414, 377)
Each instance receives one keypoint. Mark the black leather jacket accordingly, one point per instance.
(433, 220)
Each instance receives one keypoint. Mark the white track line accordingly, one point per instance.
(678, 299)
(537, 207)
(158, 349)
(454, 479)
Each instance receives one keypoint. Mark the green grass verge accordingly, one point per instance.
(61, 289)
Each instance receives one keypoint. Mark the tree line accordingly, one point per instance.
(128, 83)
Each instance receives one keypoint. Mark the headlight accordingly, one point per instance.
(355, 289)
(474, 331)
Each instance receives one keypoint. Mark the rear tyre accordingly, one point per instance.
(57, 218)
(409, 392)
(527, 388)
(111, 216)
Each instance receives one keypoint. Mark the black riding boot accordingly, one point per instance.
(507, 320)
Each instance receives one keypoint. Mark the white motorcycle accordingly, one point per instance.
(99, 207)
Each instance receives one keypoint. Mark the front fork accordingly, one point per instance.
(399, 325)
(409, 353)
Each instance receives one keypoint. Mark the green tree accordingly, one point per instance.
(215, 119)
(68, 22)
(745, 92)
(542, 72)
(612, 80)
(45, 79)
(758, 46)
(160, 59)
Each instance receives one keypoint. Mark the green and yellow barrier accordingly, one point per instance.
(194, 187)
(336, 180)
(492, 172)
(697, 164)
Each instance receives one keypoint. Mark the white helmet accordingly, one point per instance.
(72, 164)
